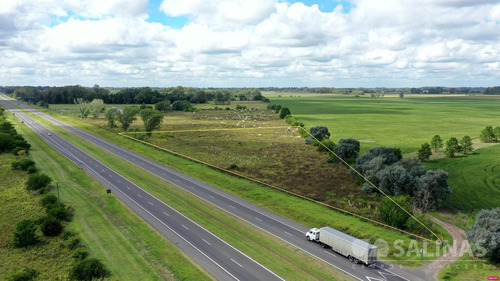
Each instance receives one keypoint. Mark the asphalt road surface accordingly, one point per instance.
(270, 222)
(219, 258)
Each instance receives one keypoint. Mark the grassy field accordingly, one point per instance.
(390, 121)
(469, 269)
(276, 201)
(48, 257)
(474, 179)
(129, 247)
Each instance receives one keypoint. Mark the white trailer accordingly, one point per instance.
(354, 249)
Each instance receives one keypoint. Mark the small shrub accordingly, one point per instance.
(67, 234)
(51, 226)
(32, 170)
(80, 254)
(60, 213)
(233, 167)
(27, 274)
(24, 234)
(24, 164)
(240, 107)
(74, 243)
(88, 269)
(37, 181)
(327, 145)
(49, 199)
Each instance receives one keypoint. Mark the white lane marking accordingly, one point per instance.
(211, 196)
(185, 227)
(166, 214)
(128, 187)
(139, 195)
(150, 203)
(288, 233)
(330, 253)
(258, 219)
(232, 206)
(236, 263)
(177, 180)
(206, 242)
(118, 181)
(111, 175)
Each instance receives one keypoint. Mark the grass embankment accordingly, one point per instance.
(390, 121)
(264, 248)
(49, 257)
(469, 269)
(304, 212)
(474, 179)
(129, 247)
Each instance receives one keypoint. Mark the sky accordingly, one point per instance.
(250, 43)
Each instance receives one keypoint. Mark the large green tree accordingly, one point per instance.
(425, 152)
(452, 147)
(83, 107)
(152, 119)
(436, 142)
(488, 135)
(432, 189)
(112, 115)
(127, 117)
(484, 234)
(95, 107)
(466, 145)
(24, 234)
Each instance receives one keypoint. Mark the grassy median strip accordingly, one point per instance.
(129, 246)
(299, 210)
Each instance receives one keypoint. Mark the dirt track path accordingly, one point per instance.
(457, 250)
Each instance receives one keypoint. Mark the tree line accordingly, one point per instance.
(144, 95)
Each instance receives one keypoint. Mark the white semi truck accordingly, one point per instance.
(354, 249)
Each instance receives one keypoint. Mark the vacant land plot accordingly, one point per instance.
(242, 141)
(390, 121)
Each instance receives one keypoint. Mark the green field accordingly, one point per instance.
(474, 179)
(390, 121)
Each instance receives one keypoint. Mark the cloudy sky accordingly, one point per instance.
(250, 43)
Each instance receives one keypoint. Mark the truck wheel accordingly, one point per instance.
(356, 261)
(308, 238)
(351, 258)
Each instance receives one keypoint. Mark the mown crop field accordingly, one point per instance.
(390, 121)
(474, 179)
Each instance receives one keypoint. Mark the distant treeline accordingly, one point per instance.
(144, 95)
(421, 90)
(492, 91)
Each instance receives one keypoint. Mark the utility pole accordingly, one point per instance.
(58, 200)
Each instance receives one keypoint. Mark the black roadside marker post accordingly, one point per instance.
(108, 191)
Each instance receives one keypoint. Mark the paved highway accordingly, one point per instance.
(272, 223)
(222, 260)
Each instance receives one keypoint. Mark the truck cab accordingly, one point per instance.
(313, 234)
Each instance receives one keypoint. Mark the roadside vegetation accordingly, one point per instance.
(107, 230)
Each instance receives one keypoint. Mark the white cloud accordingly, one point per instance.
(220, 11)
(251, 43)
